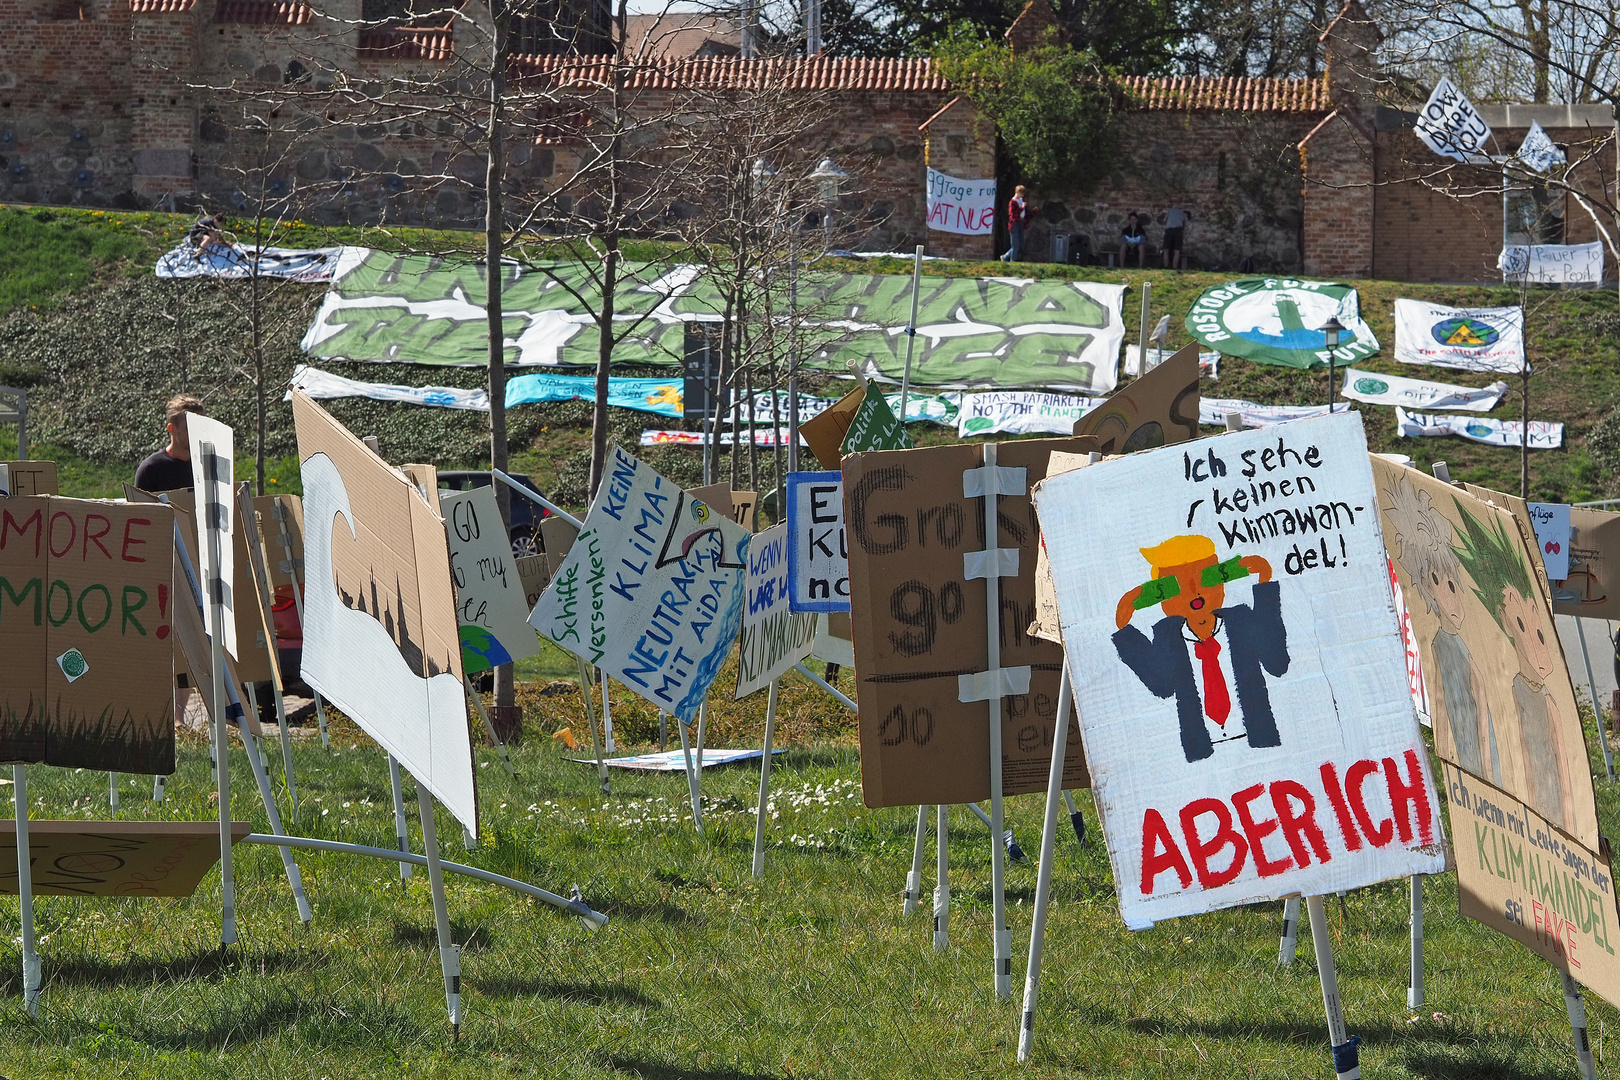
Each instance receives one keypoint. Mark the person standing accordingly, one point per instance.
(170, 468)
(1018, 212)
(1175, 223)
(1133, 241)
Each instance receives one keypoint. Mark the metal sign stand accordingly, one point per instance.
(1346, 1055)
(25, 890)
(1597, 709)
(1043, 878)
(294, 569)
(761, 819)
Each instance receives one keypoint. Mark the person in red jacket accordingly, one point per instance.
(1018, 213)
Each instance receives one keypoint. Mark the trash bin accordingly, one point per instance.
(1060, 247)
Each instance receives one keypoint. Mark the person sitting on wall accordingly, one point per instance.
(170, 468)
(1132, 242)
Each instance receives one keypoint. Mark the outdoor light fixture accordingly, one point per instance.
(828, 175)
(1331, 330)
(762, 173)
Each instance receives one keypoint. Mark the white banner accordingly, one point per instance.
(1416, 394)
(1551, 521)
(1212, 412)
(1473, 339)
(671, 437)
(1552, 264)
(773, 638)
(491, 608)
(325, 385)
(818, 552)
(1209, 363)
(1020, 412)
(1451, 126)
(1538, 151)
(212, 453)
(1544, 435)
(967, 207)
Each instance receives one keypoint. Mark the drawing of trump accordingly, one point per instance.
(1211, 657)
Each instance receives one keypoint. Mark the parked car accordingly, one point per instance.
(526, 513)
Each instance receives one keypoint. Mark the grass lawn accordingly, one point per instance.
(704, 972)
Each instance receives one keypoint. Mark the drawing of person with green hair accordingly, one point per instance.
(1503, 584)
(1426, 553)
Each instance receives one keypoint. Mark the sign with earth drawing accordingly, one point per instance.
(1472, 339)
(1279, 320)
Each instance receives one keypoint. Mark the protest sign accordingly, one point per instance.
(1592, 589)
(652, 590)
(825, 432)
(274, 512)
(1449, 125)
(1279, 320)
(1551, 524)
(1552, 264)
(874, 427)
(1538, 151)
(85, 611)
(533, 574)
(211, 474)
(817, 550)
(558, 536)
(114, 858)
(716, 496)
(1471, 339)
(1414, 662)
(743, 505)
(1161, 407)
(1417, 394)
(1212, 412)
(1245, 709)
(28, 478)
(255, 635)
(920, 624)
(380, 633)
(833, 644)
(965, 207)
(1020, 412)
(1544, 435)
(491, 614)
(1500, 694)
(773, 638)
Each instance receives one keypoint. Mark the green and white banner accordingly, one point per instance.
(1020, 412)
(1472, 339)
(1377, 389)
(1279, 320)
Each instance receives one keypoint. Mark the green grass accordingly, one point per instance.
(704, 972)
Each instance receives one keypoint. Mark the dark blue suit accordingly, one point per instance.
(1257, 639)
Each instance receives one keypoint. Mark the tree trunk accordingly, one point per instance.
(505, 688)
(610, 261)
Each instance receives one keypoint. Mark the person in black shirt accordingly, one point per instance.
(170, 468)
(1132, 241)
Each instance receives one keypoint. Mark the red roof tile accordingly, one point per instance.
(407, 43)
(161, 6)
(262, 12)
(1227, 94)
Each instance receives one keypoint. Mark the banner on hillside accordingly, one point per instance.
(652, 589)
(234, 262)
(662, 396)
(323, 385)
(1473, 339)
(673, 437)
(1449, 125)
(1552, 264)
(1279, 320)
(966, 207)
(1212, 412)
(1544, 434)
(491, 613)
(1245, 746)
(1020, 412)
(773, 637)
(1374, 389)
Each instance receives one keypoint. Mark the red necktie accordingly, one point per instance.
(1217, 702)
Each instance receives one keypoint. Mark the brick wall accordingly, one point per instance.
(1338, 238)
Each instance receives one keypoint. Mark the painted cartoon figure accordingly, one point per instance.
(1202, 651)
(1502, 583)
(1425, 539)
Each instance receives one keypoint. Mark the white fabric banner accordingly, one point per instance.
(1209, 363)
(1544, 435)
(1377, 389)
(1473, 339)
(1552, 264)
(1212, 412)
(1020, 412)
(1538, 151)
(966, 207)
(673, 437)
(1451, 126)
(323, 384)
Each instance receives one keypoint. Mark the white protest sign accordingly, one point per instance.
(652, 590)
(5, 479)
(818, 551)
(1451, 126)
(1472, 339)
(774, 638)
(1414, 660)
(1538, 151)
(1552, 264)
(1212, 412)
(1375, 389)
(1239, 672)
(491, 613)
(211, 447)
(1544, 434)
(1551, 521)
(966, 207)
(1021, 412)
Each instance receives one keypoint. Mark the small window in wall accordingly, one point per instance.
(1531, 214)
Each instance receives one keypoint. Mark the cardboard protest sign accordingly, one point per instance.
(652, 590)
(380, 636)
(833, 644)
(742, 508)
(1592, 589)
(490, 611)
(1238, 670)
(1499, 689)
(920, 623)
(1551, 524)
(874, 426)
(825, 432)
(281, 515)
(28, 478)
(84, 627)
(736, 505)
(773, 638)
(1159, 408)
(818, 552)
(533, 574)
(114, 858)
(558, 537)
(211, 474)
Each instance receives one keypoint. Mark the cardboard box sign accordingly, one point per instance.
(1592, 589)
(833, 642)
(558, 537)
(1238, 670)
(736, 505)
(824, 433)
(1157, 409)
(85, 607)
(491, 614)
(817, 551)
(28, 478)
(114, 858)
(919, 623)
(533, 572)
(275, 513)
(773, 637)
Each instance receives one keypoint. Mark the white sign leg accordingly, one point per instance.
(402, 836)
(1043, 878)
(1346, 1058)
(286, 739)
(762, 820)
(590, 719)
(691, 778)
(663, 730)
(1076, 818)
(1414, 980)
(1577, 1026)
(25, 890)
(449, 955)
(1290, 932)
(489, 728)
(1597, 707)
(942, 886)
(112, 791)
(222, 769)
(914, 878)
(158, 783)
(703, 727)
(832, 691)
(262, 778)
(607, 719)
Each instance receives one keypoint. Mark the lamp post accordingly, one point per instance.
(829, 176)
(1331, 330)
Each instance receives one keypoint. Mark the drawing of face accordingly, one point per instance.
(1524, 622)
(1196, 602)
(1446, 590)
